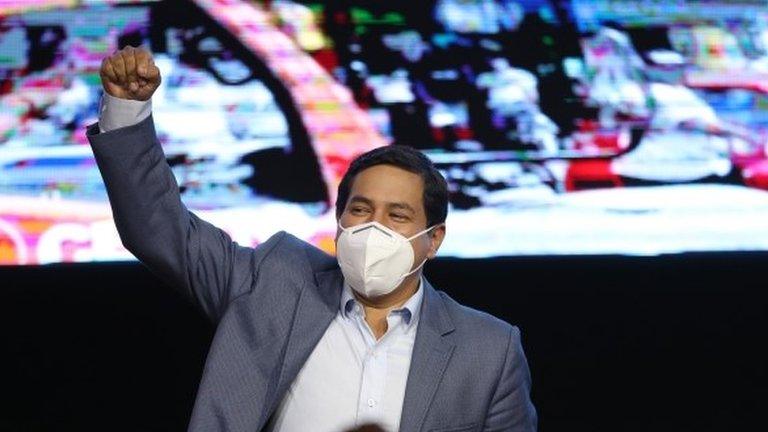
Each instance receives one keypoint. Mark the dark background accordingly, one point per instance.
(670, 343)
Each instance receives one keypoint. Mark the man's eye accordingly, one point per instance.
(398, 216)
(357, 210)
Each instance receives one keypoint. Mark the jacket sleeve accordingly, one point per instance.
(511, 409)
(189, 253)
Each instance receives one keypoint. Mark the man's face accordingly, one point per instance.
(392, 197)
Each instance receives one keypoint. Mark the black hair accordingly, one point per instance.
(435, 198)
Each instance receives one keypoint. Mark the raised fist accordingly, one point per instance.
(130, 74)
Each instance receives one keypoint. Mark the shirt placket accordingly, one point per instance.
(373, 384)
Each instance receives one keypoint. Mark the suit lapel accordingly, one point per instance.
(317, 306)
(431, 353)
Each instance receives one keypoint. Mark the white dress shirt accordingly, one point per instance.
(350, 378)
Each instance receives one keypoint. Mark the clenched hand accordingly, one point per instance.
(130, 74)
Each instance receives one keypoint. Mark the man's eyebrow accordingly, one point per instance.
(392, 205)
(360, 199)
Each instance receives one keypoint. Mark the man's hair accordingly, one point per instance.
(435, 198)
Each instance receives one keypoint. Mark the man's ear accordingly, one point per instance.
(436, 237)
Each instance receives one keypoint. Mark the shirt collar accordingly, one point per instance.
(410, 309)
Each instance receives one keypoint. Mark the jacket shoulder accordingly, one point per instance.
(293, 252)
(472, 322)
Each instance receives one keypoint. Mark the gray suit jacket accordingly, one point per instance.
(272, 304)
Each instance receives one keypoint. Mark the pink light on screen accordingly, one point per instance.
(338, 128)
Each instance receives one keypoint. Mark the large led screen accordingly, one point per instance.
(582, 127)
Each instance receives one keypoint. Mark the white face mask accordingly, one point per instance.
(374, 259)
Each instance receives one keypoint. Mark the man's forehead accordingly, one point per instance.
(387, 184)
(384, 174)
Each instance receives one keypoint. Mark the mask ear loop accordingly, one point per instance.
(425, 259)
(411, 272)
(416, 269)
(425, 231)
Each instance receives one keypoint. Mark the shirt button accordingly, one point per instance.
(371, 402)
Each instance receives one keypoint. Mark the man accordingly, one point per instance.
(305, 342)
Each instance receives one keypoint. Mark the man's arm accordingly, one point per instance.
(511, 408)
(152, 221)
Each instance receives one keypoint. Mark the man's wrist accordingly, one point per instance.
(116, 113)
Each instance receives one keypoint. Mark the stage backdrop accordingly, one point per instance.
(582, 127)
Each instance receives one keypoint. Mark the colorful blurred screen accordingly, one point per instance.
(582, 127)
